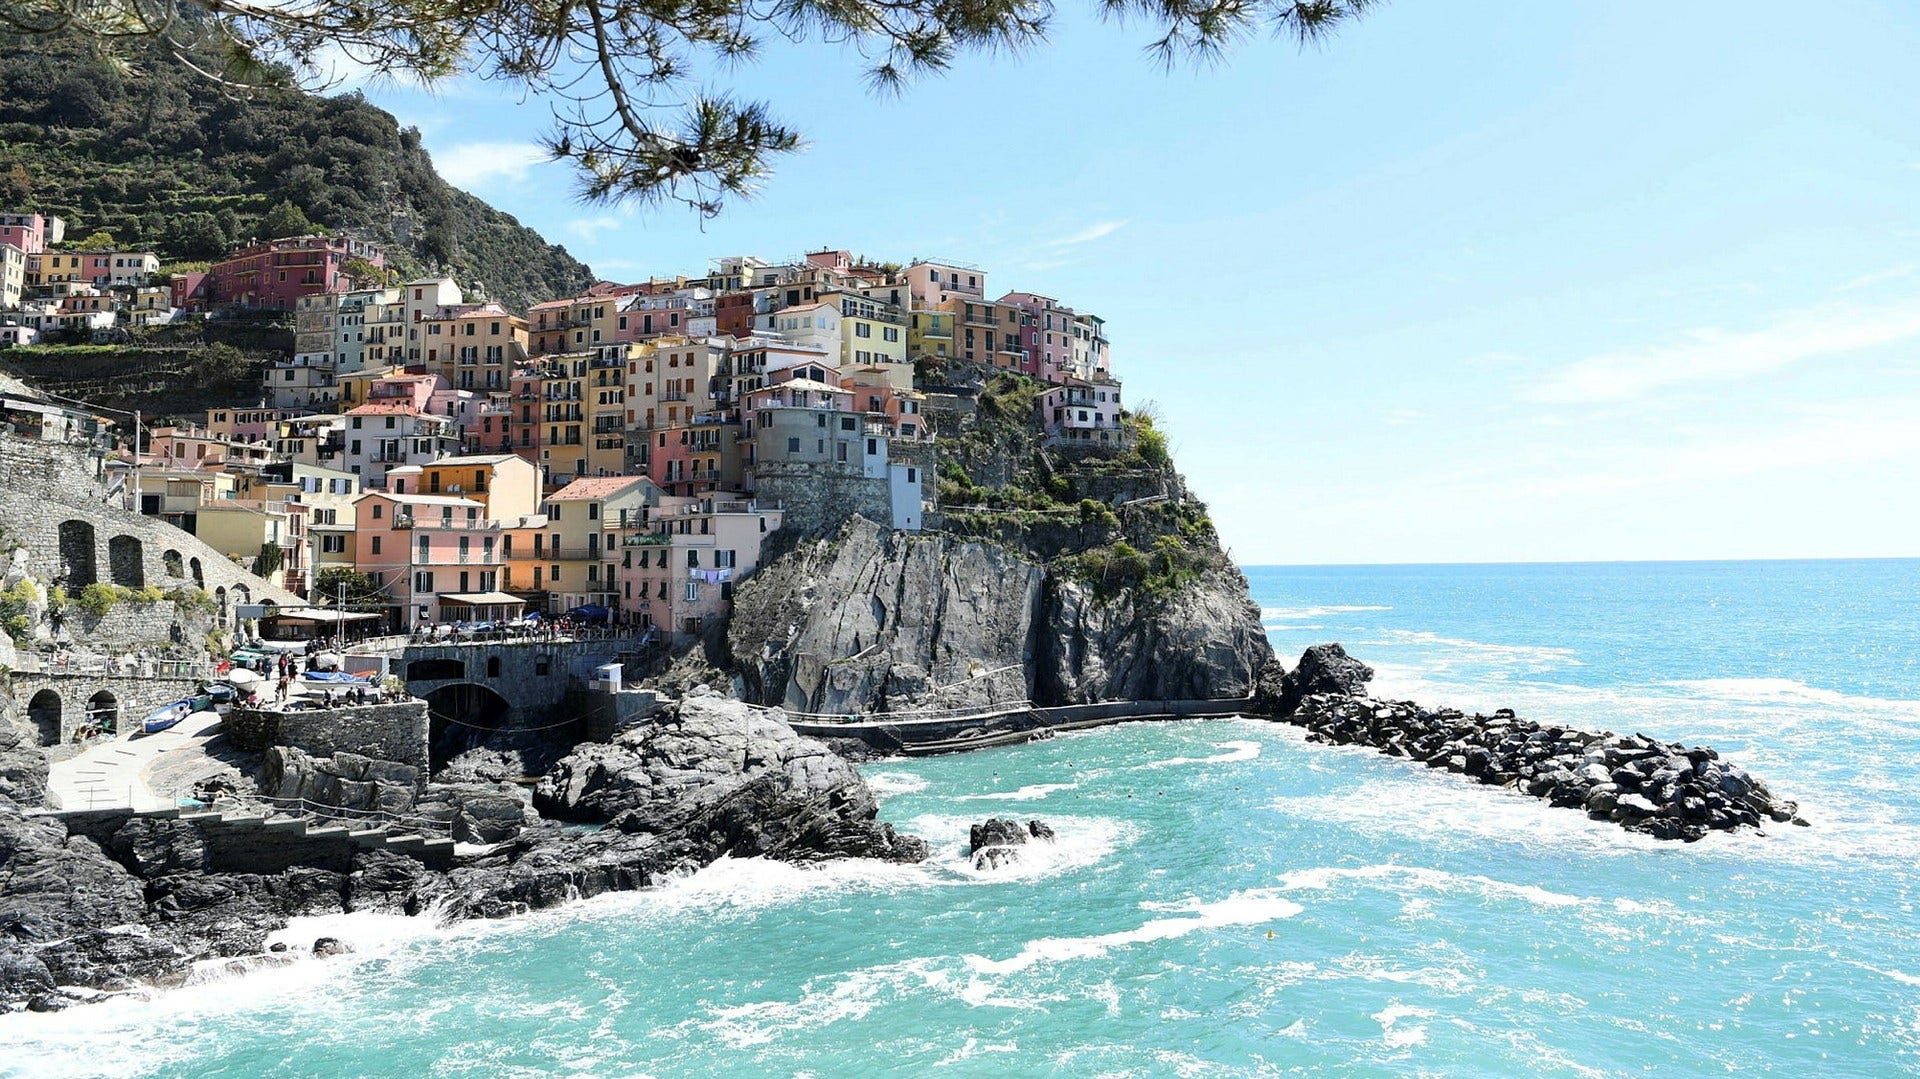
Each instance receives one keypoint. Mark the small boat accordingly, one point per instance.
(167, 715)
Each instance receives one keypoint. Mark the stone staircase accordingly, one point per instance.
(397, 836)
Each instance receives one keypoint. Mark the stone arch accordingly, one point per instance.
(242, 594)
(462, 716)
(199, 579)
(170, 562)
(434, 670)
(77, 567)
(126, 561)
(44, 710)
(103, 710)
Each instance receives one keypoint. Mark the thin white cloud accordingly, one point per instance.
(593, 228)
(473, 163)
(1095, 231)
(1713, 354)
(1891, 273)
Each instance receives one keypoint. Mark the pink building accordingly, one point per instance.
(433, 554)
(1046, 335)
(274, 275)
(31, 233)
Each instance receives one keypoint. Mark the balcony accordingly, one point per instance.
(645, 539)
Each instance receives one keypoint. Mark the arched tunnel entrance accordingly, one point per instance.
(44, 711)
(462, 716)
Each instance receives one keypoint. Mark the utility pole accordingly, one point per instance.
(133, 481)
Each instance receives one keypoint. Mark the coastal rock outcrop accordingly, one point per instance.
(997, 841)
(1663, 789)
(874, 620)
(711, 778)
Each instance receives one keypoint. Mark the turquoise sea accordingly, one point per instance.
(1225, 899)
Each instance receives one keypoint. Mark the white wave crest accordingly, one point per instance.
(1533, 655)
(883, 784)
(1394, 1033)
(1433, 879)
(1251, 907)
(1235, 751)
(1078, 842)
(1294, 614)
(1029, 793)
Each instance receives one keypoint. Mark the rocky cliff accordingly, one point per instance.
(871, 620)
(1056, 573)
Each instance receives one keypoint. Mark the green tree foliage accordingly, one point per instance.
(198, 236)
(285, 219)
(97, 240)
(270, 560)
(637, 87)
(167, 160)
(360, 590)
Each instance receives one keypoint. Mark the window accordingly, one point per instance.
(377, 508)
(553, 574)
(793, 445)
(593, 511)
(376, 544)
(846, 423)
(723, 560)
(693, 591)
(693, 559)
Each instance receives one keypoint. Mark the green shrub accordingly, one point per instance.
(97, 599)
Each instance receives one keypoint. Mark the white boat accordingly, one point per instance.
(167, 715)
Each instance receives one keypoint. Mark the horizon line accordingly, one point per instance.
(1578, 562)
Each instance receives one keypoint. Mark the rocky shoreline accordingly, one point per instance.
(1662, 789)
(710, 777)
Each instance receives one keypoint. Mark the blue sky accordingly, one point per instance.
(1480, 281)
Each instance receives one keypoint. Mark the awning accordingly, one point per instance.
(324, 615)
(483, 599)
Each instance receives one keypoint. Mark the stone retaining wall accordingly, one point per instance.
(388, 732)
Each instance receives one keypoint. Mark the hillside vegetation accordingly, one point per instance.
(159, 158)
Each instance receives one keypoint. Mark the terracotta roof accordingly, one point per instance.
(381, 408)
(588, 488)
(474, 459)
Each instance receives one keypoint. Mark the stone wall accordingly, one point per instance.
(55, 505)
(388, 732)
(37, 696)
(816, 499)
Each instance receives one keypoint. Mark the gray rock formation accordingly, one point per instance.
(1323, 668)
(876, 621)
(997, 841)
(1663, 789)
(23, 767)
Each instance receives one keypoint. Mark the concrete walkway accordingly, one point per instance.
(113, 774)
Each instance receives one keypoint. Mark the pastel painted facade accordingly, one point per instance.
(475, 346)
(384, 435)
(13, 276)
(1084, 412)
(419, 548)
(505, 485)
(681, 578)
(274, 275)
(31, 233)
(937, 284)
(588, 521)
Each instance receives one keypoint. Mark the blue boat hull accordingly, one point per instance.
(166, 717)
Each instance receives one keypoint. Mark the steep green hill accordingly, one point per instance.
(159, 157)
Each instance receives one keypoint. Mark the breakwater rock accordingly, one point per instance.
(1664, 789)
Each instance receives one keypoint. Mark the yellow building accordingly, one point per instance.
(475, 346)
(507, 485)
(930, 333)
(587, 522)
